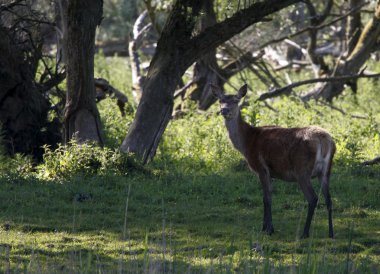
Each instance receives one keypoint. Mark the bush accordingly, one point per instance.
(87, 159)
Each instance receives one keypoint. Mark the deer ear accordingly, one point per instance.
(242, 91)
(216, 91)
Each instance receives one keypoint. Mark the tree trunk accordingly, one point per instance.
(82, 119)
(206, 68)
(354, 26)
(177, 49)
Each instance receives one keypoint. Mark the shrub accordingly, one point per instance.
(87, 159)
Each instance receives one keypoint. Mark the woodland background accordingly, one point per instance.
(113, 157)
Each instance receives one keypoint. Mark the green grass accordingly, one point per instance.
(197, 208)
(180, 222)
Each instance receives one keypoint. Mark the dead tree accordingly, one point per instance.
(364, 46)
(348, 65)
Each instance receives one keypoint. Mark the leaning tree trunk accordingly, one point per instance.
(177, 49)
(82, 119)
(364, 47)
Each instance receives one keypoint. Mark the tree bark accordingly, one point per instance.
(177, 49)
(354, 26)
(206, 68)
(82, 119)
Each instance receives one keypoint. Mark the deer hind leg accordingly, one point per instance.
(266, 183)
(312, 200)
(324, 180)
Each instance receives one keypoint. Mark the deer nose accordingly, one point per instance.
(224, 111)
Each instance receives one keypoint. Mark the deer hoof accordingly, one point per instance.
(305, 235)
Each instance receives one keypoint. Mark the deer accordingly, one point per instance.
(288, 154)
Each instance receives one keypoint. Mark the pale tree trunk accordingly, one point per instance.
(177, 49)
(82, 120)
(365, 45)
(139, 30)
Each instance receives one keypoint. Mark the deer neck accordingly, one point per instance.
(238, 130)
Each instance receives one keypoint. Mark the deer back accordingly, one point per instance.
(288, 153)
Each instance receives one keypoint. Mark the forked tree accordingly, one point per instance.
(177, 49)
(289, 154)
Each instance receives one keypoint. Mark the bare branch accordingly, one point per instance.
(287, 89)
(356, 116)
(10, 5)
(103, 88)
(183, 90)
(289, 36)
(219, 33)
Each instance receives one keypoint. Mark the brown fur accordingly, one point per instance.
(288, 153)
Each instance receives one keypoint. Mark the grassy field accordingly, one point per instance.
(196, 208)
(176, 223)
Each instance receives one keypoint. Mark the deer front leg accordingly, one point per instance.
(266, 183)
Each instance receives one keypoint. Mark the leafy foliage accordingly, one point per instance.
(87, 159)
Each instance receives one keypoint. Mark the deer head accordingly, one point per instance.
(229, 104)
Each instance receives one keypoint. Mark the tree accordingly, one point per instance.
(24, 106)
(177, 49)
(206, 69)
(81, 117)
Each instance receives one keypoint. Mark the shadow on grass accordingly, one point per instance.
(181, 223)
